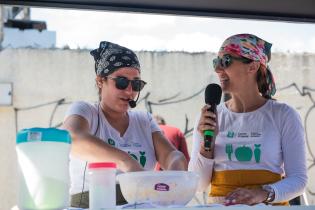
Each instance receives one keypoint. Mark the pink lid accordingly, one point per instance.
(102, 165)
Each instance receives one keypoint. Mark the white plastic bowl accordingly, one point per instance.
(162, 188)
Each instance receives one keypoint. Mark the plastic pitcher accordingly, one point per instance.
(43, 159)
(102, 185)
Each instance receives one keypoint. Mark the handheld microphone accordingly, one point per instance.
(213, 95)
(133, 103)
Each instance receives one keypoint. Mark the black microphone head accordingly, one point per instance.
(213, 94)
(132, 103)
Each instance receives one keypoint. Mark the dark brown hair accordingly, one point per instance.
(262, 82)
(100, 89)
(159, 119)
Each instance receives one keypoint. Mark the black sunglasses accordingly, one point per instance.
(122, 83)
(227, 60)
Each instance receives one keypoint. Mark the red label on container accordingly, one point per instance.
(161, 187)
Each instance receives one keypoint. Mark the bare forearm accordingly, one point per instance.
(176, 161)
(93, 149)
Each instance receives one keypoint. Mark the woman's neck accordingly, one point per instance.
(245, 102)
(117, 120)
(111, 115)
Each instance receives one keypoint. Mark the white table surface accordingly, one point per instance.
(259, 207)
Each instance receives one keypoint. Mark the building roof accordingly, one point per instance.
(279, 10)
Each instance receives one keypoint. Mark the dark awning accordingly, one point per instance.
(283, 10)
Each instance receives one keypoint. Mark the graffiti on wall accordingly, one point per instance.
(307, 93)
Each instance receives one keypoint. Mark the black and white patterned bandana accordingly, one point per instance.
(109, 57)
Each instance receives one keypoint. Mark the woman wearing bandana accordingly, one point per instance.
(258, 155)
(108, 131)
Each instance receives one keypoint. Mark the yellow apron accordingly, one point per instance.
(223, 182)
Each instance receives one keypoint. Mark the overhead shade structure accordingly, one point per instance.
(279, 10)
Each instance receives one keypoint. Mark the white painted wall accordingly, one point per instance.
(40, 77)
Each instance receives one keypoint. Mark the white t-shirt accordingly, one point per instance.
(137, 140)
(269, 138)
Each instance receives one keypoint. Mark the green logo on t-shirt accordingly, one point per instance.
(133, 155)
(229, 150)
(243, 153)
(257, 153)
(142, 159)
(111, 142)
(230, 134)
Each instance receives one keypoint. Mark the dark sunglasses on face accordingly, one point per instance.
(122, 83)
(227, 60)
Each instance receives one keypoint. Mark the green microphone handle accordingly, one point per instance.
(208, 137)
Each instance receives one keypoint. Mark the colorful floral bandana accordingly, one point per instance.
(253, 48)
(109, 57)
(248, 46)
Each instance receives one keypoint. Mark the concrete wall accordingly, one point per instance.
(1, 23)
(46, 81)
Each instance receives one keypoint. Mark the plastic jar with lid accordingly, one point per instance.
(102, 185)
(43, 166)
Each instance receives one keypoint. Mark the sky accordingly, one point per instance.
(86, 28)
